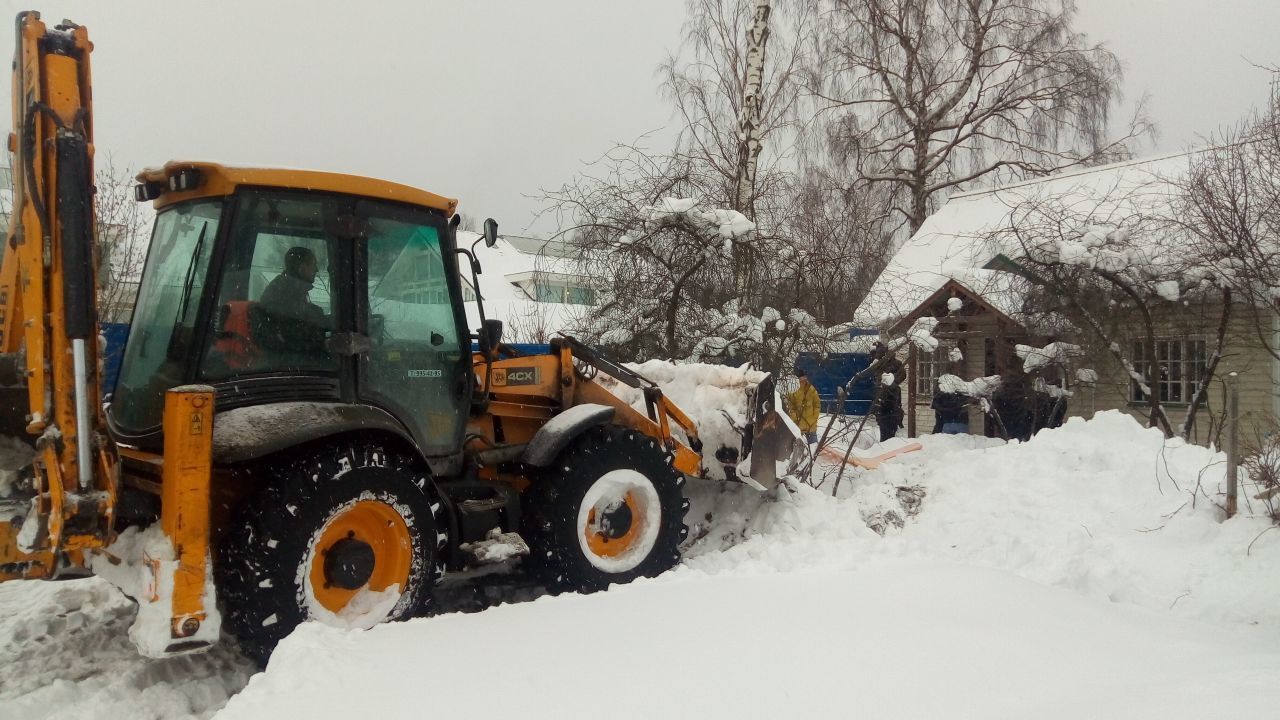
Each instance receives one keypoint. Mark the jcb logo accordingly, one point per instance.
(515, 376)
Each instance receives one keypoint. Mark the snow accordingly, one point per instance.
(954, 304)
(505, 281)
(983, 387)
(1087, 573)
(366, 609)
(921, 333)
(14, 455)
(241, 426)
(1087, 376)
(496, 547)
(1055, 353)
(728, 224)
(957, 240)
(1168, 289)
(714, 397)
(142, 563)
(835, 644)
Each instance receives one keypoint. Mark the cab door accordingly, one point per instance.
(409, 304)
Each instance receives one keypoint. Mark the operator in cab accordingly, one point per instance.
(288, 322)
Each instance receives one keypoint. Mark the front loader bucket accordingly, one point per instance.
(770, 436)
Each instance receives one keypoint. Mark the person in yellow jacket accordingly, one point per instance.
(803, 405)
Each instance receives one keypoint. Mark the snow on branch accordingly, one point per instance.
(980, 388)
(921, 333)
(1048, 388)
(717, 224)
(1055, 353)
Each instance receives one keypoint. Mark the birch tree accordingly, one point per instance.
(735, 100)
(749, 139)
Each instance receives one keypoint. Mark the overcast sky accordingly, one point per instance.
(488, 101)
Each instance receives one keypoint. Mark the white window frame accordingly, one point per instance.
(1182, 367)
(927, 366)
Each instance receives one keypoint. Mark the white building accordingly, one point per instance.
(536, 287)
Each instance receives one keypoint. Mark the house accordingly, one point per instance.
(965, 268)
(536, 287)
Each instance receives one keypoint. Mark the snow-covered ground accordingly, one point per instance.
(1085, 574)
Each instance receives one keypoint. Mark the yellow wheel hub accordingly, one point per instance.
(612, 532)
(366, 544)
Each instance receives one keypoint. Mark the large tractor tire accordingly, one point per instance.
(608, 510)
(347, 535)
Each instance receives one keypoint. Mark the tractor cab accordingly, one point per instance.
(276, 286)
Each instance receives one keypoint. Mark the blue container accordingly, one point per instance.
(116, 334)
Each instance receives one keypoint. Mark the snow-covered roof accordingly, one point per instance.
(965, 233)
(505, 269)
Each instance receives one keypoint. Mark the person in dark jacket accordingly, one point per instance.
(950, 412)
(887, 406)
(286, 320)
(1014, 401)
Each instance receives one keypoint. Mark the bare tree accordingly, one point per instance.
(1114, 262)
(123, 236)
(808, 242)
(656, 276)
(1230, 211)
(928, 96)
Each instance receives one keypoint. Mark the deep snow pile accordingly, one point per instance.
(714, 397)
(898, 639)
(1043, 579)
(1103, 507)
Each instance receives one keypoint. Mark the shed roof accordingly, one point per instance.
(964, 234)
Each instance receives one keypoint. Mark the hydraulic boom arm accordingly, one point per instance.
(63, 502)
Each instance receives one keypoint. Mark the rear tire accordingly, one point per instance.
(608, 510)
(327, 532)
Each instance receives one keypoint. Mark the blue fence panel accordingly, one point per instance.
(834, 370)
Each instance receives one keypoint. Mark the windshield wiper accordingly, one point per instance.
(191, 273)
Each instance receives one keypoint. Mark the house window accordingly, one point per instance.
(580, 296)
(1182, 367)
(929, 367)
(567, 294)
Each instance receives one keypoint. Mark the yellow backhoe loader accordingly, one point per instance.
(300, 428)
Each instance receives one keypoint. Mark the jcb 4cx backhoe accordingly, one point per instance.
(300, 428)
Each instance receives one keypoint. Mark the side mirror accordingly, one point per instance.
(490, 336)
(490, 232)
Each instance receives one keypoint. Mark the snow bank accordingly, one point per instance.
(898, 639)
(65, 653)
(1104, 507)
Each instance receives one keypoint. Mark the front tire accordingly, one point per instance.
(608, 510)
(344, 535)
